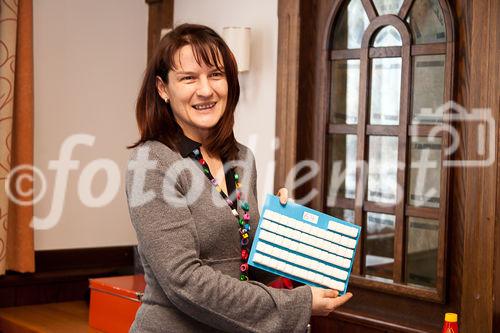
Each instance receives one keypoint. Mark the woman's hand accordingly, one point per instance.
(325, 301)
(283, 194)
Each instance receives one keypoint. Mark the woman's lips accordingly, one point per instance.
(204, 106)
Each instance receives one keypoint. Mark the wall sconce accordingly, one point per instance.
(238, 40)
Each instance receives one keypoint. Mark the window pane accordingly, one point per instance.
(388, 6)
(341, 167)
(385, 91)
(379, 245)
(350, 26)
(428, 89)
(425, 172)
(343, 214)
(387, 36)
(427, 22)
(421, 251)
(345, 92)
(382, 169)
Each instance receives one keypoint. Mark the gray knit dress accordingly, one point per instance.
(189, 244)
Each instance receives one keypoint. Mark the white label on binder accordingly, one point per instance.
(309, 217)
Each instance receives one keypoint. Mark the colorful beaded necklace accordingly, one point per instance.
(244, 223)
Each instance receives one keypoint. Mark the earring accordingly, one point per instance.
(167, 100)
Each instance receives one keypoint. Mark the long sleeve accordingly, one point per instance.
(169, 242)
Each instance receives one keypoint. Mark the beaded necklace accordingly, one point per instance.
(244, 223)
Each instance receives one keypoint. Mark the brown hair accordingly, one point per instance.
(155, 118)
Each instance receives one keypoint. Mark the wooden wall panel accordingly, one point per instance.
(306, 117)
(494, 101)
(477, 87)
(287, 89)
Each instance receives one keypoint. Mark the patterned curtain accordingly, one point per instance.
(16, 134)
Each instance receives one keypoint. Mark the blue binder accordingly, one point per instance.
(304, 245)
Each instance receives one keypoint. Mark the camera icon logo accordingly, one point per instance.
(453, 114)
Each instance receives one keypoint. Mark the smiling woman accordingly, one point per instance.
(192, 198)
(191, 68)
(196, 92)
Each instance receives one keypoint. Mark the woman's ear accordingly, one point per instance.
(160, 87)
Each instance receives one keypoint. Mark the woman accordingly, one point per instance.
(193, 238)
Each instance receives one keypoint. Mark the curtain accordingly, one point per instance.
(16, 135)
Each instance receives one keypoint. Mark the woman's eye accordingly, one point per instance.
(217, 74)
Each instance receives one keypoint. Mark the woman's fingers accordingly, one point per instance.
(283, 194)
(338, 301)
(332, 293)
(325, 301)
(332, 303)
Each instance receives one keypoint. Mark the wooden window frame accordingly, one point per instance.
(404, 131)
(292, 43)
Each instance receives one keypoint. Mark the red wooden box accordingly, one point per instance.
(114, 302)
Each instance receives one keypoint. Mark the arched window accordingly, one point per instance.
(390, 74)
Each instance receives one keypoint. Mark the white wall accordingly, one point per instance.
(256, 111)
(89, 59)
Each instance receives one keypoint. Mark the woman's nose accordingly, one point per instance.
(204, 88)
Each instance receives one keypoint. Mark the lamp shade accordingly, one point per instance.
(238, 40)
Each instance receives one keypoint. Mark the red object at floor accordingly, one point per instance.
(114, 302)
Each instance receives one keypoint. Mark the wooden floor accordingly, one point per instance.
(47, 318)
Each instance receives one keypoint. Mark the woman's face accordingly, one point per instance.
(197, 94)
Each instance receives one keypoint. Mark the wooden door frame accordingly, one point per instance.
(160, 16)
